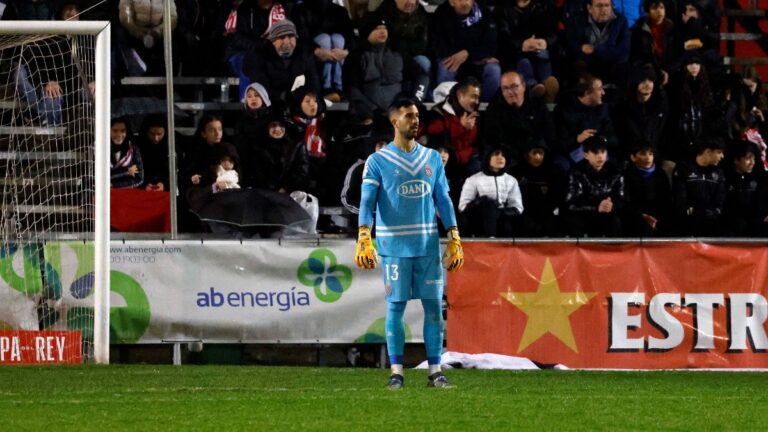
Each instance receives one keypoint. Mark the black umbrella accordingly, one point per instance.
(252, 207)
(128, 106)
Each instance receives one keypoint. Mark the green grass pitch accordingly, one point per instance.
(230, 398)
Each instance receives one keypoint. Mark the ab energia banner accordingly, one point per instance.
(637, 306)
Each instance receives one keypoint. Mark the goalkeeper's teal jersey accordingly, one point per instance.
(405, 188)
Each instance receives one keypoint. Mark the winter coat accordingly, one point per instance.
(203, 160)
(121, 161)
(611, 45)
(141, 17)
(643, 46)
(281, 164)
(277, 75)
(741, 200)
(515, 25)
(249, 131)
(587, 187)
(408, 33)
(374, 79)
(449, 34)
(501, 187)
(573, 117)
(446, 129)
(648, 194)
(699, 188)
(637, 123)
(512, 127)
(542, 188)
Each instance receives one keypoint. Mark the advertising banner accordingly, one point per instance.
(40, 347)
(258, 292)
(637, 306)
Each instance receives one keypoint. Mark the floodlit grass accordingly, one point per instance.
(229, 398)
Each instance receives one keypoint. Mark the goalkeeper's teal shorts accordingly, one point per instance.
(412, 278)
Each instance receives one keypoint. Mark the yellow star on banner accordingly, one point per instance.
(548, 309)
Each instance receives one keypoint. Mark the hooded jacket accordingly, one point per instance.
(445, 128)
(497, 185)
(249, 131)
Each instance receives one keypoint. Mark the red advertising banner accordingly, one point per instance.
(637, 306)
(40, 347)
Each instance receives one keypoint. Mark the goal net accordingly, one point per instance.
(54, 140)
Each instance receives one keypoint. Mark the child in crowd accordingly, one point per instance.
(699, 187)
(127, 168)
(308, 113)
(743, 176)
(226, 175)
(153, 143)
(250, 130)
(648, 192)
(542, 185)
(595, 194)
(490, 199)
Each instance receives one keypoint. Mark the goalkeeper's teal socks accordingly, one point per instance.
(433, 330)
(395, 329)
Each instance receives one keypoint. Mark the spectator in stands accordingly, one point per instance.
(692, 107)
(527, 37)
(328, 25)
(200, 36)
(700, 189)
(490, 200)
(463, 35)
(153, 143)
(654, 40)
(281, 163)
(350, 193)
(648, 194)
(250, 129)
(207, 150)
(142, 47)
(307, 113)
(254, 19)
(583, 117)
(599, 41)
(756, 98)
(226, 174)
(739, 116)
(595, 194)
(631, 9)
(126, 166)
(374, 73)
(453, 124)
(542, 186)
(283, 65)
(743, 175)
(513, 119)
(409, 35)
(699, 30)
(642, 116)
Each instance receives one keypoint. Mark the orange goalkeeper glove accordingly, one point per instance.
(453, 257)
(365, 255)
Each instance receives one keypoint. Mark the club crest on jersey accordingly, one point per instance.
(414, 189)
(428, 171)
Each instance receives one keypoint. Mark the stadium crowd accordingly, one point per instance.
(553, 117)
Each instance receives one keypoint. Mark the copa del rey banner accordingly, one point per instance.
(639, 306)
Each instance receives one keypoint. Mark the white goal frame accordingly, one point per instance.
(101, 30)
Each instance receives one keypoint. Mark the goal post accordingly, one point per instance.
(69, 200)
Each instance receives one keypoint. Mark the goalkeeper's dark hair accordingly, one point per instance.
(394, 109)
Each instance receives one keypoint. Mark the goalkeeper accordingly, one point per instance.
(404, 182)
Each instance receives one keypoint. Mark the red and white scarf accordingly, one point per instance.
(230, 26)
(312, 139)
(125, 161)
(753, 136)
(276, 14)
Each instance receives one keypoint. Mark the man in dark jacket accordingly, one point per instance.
(699, 187)
(583, 117)
(595, 194)
(279, 65)
(463, 37)
(600, 39)
(654, 40)
(513, 119)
